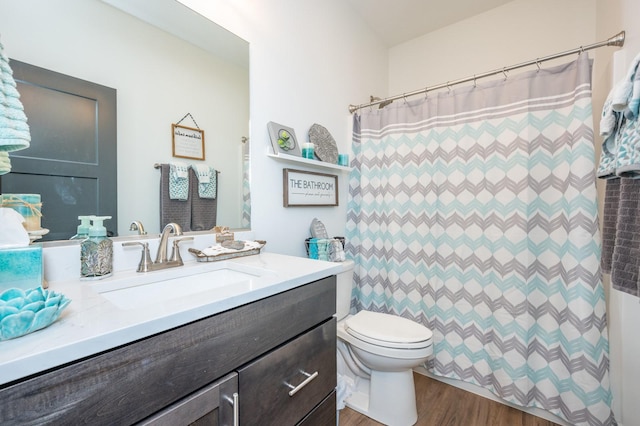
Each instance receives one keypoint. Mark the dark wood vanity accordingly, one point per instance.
(269, 362)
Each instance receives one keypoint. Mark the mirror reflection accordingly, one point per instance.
(163, 63)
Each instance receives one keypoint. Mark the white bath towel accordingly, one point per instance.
(623, 92)
(633, 107)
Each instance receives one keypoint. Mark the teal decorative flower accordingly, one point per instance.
(25, 311)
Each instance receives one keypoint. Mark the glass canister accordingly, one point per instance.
(308, 150)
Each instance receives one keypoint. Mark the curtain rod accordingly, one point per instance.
(616, 40)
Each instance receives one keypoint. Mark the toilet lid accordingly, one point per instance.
(387, 330)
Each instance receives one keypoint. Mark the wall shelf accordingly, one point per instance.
(314, 163)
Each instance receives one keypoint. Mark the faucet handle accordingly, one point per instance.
(175, 253)
(145, 260)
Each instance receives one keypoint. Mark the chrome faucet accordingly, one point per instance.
(136, 225)
(161, 261)
(161, 256)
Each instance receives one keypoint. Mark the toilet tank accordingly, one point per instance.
(344, 286)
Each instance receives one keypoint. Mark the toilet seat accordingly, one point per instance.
(389, 331)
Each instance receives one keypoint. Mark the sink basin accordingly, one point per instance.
(207, 282)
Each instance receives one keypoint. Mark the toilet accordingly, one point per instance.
(376, 356)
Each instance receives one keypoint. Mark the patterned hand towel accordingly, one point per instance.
(207, 181)
(620, 126)
(171, 210)
(204, 211)
(178, 181)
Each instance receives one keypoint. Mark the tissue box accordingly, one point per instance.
(21, 267)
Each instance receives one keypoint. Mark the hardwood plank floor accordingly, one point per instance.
(440, 404)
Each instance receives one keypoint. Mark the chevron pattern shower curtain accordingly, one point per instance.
(474, 212)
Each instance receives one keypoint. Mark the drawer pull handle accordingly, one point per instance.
(236, 409)
(295, 389)
(235, 402)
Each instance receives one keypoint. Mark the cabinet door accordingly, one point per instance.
(283, 386)
(213, 405)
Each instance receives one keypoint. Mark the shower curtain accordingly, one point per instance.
(474, 212)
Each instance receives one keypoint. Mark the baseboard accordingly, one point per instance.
(469, 387)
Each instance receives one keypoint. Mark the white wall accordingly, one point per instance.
(309, 61)
(515, 33)
(511, 34)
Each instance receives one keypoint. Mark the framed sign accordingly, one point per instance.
(188, 142)
(303, 188)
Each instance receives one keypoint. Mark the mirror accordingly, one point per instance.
(167, 64)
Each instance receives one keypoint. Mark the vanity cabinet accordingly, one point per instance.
(260, 351)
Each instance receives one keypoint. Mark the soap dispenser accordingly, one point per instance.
(83, 228)
(96, 252)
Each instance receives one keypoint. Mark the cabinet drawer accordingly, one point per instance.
(324, 414)
(284, 385)
(212, 405)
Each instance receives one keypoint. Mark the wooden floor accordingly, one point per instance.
(440, 404)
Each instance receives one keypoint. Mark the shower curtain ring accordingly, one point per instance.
(538, 63)
(448, 87)
(475, 83)
(426, 92)
(504, 71)
(404, 96)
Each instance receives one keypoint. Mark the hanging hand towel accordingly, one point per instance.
(624, 91)
(14, 130)
(178, 181)
(625, 265)
(609, 223)
(609, 122)
(207, 181)
(204, 211)
(628, 135)
(620, 126)
(633, 108)
(171, 210)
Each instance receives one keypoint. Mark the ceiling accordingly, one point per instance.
(397, 21)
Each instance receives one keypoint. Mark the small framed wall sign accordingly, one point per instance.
(302, 188)
(188, 142)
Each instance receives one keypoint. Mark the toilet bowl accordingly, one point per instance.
(377, 353)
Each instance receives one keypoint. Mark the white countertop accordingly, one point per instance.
(92, 324)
